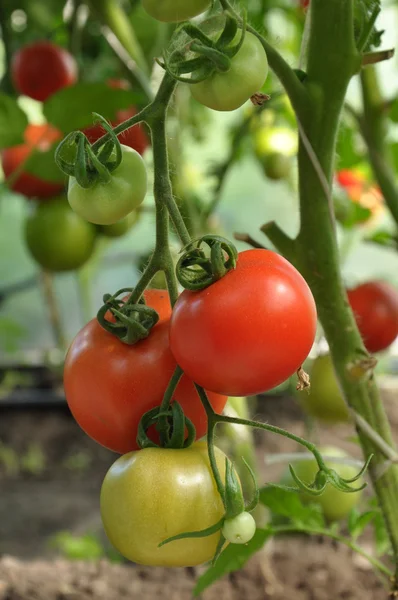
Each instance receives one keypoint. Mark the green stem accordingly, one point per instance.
(282, 530)
(332, 60)
(111, 13)
(6, 37)
(53, 310)
(373, 126)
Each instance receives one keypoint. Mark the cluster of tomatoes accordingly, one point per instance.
(58, 238)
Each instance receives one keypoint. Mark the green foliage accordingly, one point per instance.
(11, 334)
(287, 504)
(12, 122)
(71, 108)
(363, 12)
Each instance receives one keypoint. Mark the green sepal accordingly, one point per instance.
(195, 534)
(234, 501)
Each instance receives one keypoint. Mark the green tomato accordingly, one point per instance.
(58, 239)
(105, 203)
(174, 11)
(119, 228)
(277, 165)
(269, 140)
(150, 495)
(229, 90)
(324, 400)
(239, 529)
(335, 504)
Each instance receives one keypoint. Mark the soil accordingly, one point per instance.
(50, 482)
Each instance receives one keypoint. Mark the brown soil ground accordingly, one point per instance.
(64, 496)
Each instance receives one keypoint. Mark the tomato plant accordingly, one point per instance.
(38, 138)
(249, 331)
(134, 137)
(42, 68)
(375, 306)
(109, 386)
(153, 494)
(324, 400)
(57, 238)
(335, 504)
(246, 76)
(276, 165)
(174, 11)
(119, 228)
(106, 202)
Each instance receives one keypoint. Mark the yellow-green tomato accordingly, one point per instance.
(57, 238)
(174, 11)
(335, 504)
(324, 400)
(239, 529)
(119, 228)
(229, 90)
(277, 165)
(105, 203)
(153, 494)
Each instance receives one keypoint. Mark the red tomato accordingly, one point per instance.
(41, 69)
(135, 137)
(110, 385)
(247, 332)
(40, 137)
(375, 306)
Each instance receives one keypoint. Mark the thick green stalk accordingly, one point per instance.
(373, 127)
(332, 60)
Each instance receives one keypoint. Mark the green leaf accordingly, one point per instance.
(11, 333)
(383, 545)
(71, 108)
(43, 165)
(13, 122)
(393, 114)
(348, 156)
(231, 559)
(288, 504)
(383, 238)
(357, 521)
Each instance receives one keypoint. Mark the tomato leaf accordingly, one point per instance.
(288, 504)
(71, 108)
(43, 165)
(357, 521)
(348, 155)
(13, 122)
(231, 559)
(383, 545)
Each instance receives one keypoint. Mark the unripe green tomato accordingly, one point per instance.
(175, 11)
(119, 228)
(58, 239)
(324, 400)
(268, 140)
(246, 76)
(105, 203)
(335, 504)
(276, 165)
(239, 529)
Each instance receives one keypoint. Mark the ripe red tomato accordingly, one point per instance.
(135, 137)
(375, 306)
(41, 138)
(41, 69)
(247, 332)
(109, 385)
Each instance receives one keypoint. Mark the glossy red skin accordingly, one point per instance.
(41, 69)
(36, 136)
(375, 306)
(249, 331)
(110, 385)
(135, 137)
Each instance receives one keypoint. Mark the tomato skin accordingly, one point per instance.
(324, 400)
(120, 228)
(41, 69)
(228, 91)
(105, 203)
(135, 137)
(57, 238)
(239, 529)
(156, 493)
(375, 306)
(249, 331)
(276, 166)
(109, 385)
(175, 11)
(335, 504)
(39, 137)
